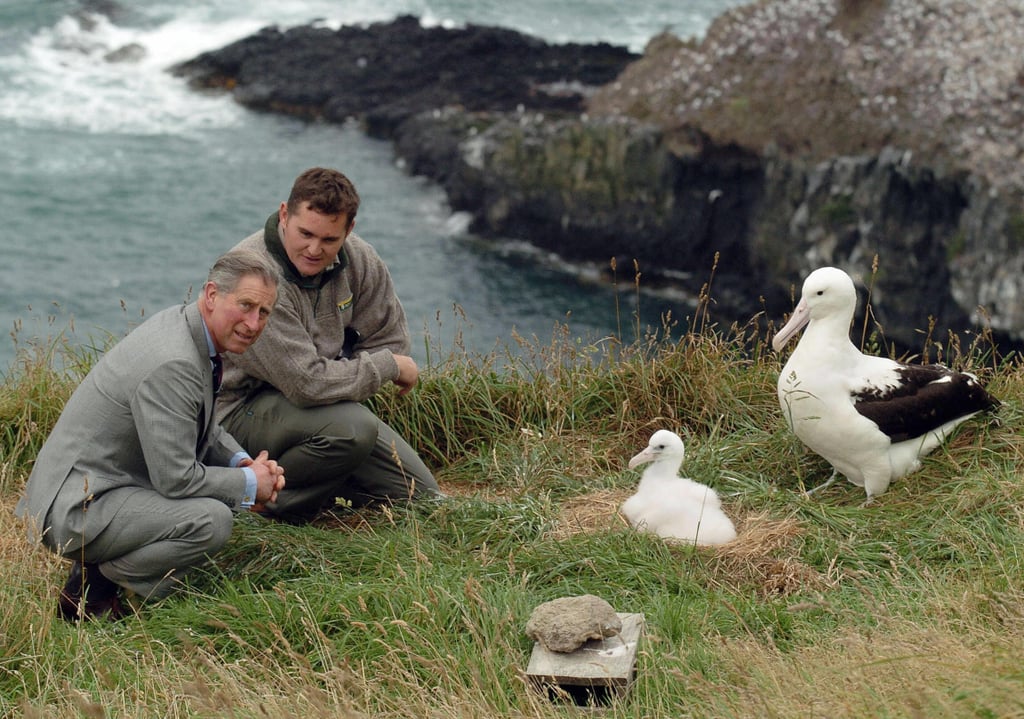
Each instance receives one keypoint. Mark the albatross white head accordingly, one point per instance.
(665, 448)
(828, 297)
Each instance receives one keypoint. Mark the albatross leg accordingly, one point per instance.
(828, 483)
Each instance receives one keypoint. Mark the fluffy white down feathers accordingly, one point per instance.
(671, 506)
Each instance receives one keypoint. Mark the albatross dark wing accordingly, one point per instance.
(927, 397)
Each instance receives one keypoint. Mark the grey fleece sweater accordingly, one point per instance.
(299, 348)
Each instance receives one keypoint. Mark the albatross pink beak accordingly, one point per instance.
(645, 456)
(800, 317)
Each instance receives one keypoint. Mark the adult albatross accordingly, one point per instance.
(871, 417)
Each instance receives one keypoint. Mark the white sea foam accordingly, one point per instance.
(68, 76)
(87, 72)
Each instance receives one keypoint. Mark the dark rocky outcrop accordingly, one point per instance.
(384, 73)
(601, 189)
(847, 133)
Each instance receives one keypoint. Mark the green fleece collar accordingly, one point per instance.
(272, 240)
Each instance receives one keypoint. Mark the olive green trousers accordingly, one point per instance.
(336, 454)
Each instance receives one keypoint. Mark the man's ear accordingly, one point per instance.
(209, 294)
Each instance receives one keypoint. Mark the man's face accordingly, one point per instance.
(312, 240)
(236, 319)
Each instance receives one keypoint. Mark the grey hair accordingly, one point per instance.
(232, 266)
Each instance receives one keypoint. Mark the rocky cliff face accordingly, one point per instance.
(884, 128)
(606, 189)
(615, 188)
(796, 134)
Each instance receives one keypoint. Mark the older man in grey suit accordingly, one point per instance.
(137, 482)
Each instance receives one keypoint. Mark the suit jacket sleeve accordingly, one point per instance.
(169, 406)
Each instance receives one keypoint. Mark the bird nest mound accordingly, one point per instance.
(589, 513)
(762, 555)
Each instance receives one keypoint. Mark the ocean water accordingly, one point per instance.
(119, 186)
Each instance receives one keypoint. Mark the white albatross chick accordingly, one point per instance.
(871, 417)
(671, 506)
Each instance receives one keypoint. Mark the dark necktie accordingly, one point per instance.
(218, 372)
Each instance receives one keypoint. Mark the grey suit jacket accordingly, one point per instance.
(141, 418)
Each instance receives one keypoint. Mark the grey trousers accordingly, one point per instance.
(151, 541)
(329, 452)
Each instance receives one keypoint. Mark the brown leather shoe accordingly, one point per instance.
(87, 593)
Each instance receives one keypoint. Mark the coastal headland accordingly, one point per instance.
(880, 137)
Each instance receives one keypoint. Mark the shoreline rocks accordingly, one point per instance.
(384, 73)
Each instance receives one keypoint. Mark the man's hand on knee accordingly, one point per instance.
(408, 373)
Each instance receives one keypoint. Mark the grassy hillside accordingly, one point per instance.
(913, 606)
